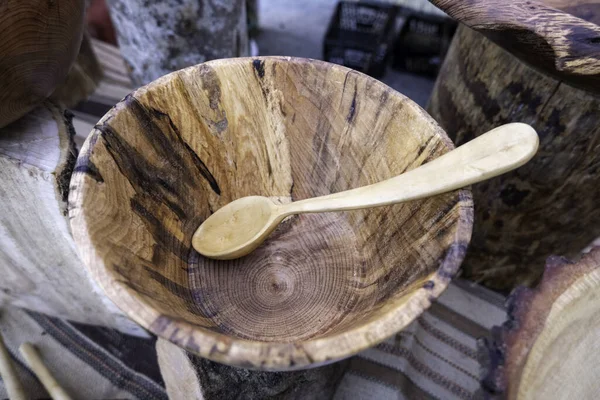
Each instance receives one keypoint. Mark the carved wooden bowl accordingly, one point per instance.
(324, 286)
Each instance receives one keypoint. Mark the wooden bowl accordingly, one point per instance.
(324, 286)
(39, 41)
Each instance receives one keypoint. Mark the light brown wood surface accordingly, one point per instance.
(548, 347)
(327, 285)
(40, 41)
(39, 266)
(242, 225)
(36, 364)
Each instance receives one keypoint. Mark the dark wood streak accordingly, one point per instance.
(353, 106)
(259, 66)
(90, 169)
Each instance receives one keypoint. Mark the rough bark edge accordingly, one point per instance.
(66, 167)
(553, 41)
(504, 355)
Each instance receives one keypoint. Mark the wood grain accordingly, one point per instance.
(537, 210)
(326, 285)
(546, 349)
(40, 41)
(39, 265)
(83, 78)
(558, 43)
(588, 10)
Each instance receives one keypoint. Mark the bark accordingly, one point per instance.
(160, 36)
(547, 206)
(190, 377)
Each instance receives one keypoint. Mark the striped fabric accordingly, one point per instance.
(434, 358)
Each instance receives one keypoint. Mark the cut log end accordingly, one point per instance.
(32, 65)
(545, 349)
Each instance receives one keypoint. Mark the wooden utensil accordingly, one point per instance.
(242, 225)
(33, 359)
(8, 374)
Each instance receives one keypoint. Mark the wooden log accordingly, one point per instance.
(40, 41)
(39, 265)
(539, 209)
(547, 349)
(554, 42)
(324, 286)
(83, 78)
(187, 376)
(160, 36)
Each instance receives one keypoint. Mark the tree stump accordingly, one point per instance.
(40, 41)
(324, 286)
(39, 265)
(547, 348)
(161, 36)
(539, 209)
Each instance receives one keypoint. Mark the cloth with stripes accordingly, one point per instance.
(433, 358)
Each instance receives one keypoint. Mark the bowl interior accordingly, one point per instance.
(175, 151)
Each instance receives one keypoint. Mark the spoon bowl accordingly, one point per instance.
(236, 229)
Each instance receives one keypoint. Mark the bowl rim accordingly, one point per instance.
(263, 355)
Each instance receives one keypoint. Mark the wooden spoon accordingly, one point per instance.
(242, 225)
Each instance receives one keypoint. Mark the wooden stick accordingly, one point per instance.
(33, 359)
(9, 375)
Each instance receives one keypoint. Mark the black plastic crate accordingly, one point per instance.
(360, 36)
(422, 43)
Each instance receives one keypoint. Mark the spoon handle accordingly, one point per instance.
(498, 151)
